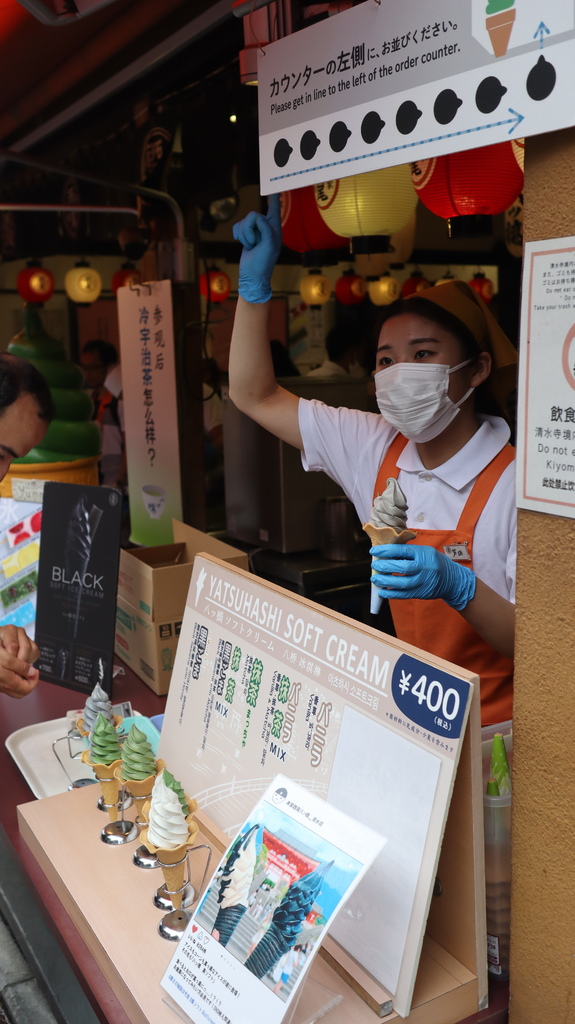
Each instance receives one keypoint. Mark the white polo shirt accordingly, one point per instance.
(349, 445)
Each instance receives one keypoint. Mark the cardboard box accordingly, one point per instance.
(152, 589)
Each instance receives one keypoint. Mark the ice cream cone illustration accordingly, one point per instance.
(499, 23)
(169, 835)
(500, 769)
(104, 756)
(235, 883)
(287, 921)
(81, 530)
(387, 525)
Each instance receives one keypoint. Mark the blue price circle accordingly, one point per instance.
(431, 698)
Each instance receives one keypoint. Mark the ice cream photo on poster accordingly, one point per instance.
(154, 498)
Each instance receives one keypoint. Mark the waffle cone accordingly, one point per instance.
(109, 784)
(141, 789)
(387, 534)
(174, 873)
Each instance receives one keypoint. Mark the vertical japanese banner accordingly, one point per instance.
(150, 410)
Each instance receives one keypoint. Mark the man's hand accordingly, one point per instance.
(17, 652)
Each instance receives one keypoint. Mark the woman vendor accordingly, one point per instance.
(452, 588)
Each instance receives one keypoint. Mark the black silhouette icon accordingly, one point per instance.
(282, 152)
(446, 106)
(338, 136)
(371, 127)
(308, 145)
(489, 94)
(541, 79)
(407, 117)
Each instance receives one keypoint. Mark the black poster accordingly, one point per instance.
(77, 584)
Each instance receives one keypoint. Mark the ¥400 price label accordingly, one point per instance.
(431, 698)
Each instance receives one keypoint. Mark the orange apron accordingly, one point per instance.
(433, 625)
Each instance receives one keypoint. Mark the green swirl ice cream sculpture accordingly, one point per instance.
(70, 450)
(104, 756)
(287, 921)
(235, 883)
(139, 768)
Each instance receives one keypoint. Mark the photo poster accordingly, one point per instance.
(20, 524)
(293, 864)
(266, 681)
(77, 585)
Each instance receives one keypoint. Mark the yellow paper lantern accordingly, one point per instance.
(83, 284)
(369, 207)
(384, 290)
(315, 288)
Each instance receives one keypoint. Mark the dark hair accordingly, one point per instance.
(418, 306)
(283, 365)
(105, 350)
(17, 377)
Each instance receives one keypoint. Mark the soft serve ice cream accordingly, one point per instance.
(235, 883)
(170, 831)
(98, 703)
(387, 525)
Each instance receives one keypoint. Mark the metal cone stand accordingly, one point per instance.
(120, 831)
(173, 924)
(142, 857)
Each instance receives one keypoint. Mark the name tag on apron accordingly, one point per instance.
(457, 552)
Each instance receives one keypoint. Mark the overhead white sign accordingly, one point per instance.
(546, 399)
(387, 83)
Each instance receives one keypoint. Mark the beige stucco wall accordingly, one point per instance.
(543, 840)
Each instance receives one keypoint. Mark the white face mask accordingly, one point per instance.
(413, 398)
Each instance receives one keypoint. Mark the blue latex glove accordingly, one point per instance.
(261, 237)
(425, 573)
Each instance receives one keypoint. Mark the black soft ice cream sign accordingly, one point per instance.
(77, 584)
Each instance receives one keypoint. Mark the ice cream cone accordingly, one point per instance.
(173, 862)
(106, 776)
(116, 721)
(499, 27)
(384, 535)
(141, 789)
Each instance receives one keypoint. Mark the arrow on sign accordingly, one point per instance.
(541, 32)
(514, 121)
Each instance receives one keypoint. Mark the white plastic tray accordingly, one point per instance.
(31, 749)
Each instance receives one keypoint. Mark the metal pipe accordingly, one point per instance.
(72, 208)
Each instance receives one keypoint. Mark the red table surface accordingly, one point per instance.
(49, 701)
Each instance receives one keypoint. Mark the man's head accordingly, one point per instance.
(97, 358)
(26, 408)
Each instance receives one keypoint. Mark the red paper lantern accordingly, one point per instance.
(415, 283)
(127, 275)
(481, 181)
(35, 283)
(218, 283)
(350, 288)
(303, 227)
(483, 286)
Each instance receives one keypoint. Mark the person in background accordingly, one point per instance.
(100, 365)
(440, 356)
(342, 355)
(26, 409)
(283, 364)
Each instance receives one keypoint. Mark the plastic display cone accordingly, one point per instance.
(109, 784)
(173, 862)
(499, 768)
(116, 722)
(141, 789)
(384, 535)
